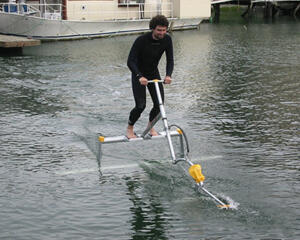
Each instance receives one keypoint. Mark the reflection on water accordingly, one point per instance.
(148, 221)
(236, 95)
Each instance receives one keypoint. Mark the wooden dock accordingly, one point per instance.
(7, 41)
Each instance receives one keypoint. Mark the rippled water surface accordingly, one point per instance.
(236, 93)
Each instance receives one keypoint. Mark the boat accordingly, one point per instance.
(76, 19)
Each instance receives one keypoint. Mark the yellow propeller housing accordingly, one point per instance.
(196, 172)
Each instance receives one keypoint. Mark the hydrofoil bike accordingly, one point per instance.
(194, 169)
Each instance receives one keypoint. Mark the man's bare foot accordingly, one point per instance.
(130, 133)
(153, 132)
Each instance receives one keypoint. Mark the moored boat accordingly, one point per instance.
(71, 19)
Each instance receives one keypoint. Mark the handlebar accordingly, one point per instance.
(155, 80)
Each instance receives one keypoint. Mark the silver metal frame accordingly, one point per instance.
(145, 136)
(119, 139)
(164, 134)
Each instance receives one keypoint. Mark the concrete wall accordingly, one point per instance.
(192, 8)
(95, 10)
(92, 10)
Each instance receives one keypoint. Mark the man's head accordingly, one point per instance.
(159, 25)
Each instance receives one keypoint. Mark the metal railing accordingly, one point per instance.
(117, 11)
(47, 11)
(92, 11)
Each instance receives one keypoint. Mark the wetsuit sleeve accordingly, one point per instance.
(170, 58)
(132, 61)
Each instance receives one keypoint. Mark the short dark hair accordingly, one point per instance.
(159, 20)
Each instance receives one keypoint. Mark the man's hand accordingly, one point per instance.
(143, 81)
(168, 80)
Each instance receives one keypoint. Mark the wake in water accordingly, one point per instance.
(232, 204)
(89, 170)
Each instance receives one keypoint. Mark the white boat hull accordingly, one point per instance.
(46, 29)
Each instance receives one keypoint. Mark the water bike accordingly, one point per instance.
(194, 169)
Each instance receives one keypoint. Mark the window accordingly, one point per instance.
(133, 3)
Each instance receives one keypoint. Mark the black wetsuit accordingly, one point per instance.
(143, 60)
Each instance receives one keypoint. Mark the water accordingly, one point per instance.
(236, 93)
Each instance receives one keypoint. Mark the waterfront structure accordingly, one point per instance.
(271, 7)
(73, 19)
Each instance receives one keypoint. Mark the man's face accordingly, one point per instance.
(159, 32)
